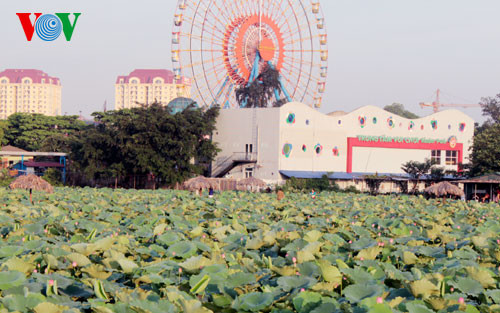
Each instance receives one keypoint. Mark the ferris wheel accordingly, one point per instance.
(222, 45)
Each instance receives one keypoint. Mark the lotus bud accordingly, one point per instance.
(294, 260)
(180, 270)
(452, 289)
(51, 282)
(74, 264)
(461, 300)
(302, 290)
(380, 300)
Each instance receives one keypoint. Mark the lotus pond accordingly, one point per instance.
(88, 250)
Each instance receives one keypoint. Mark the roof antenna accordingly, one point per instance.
(105, 105)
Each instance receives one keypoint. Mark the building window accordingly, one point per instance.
(248, 172)
(451, 158)
(26, 81)
(4, 81)
(436, 156)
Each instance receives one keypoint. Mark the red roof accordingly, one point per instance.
(43, 164)
(16, 76)
(10, 148)
(147, 76)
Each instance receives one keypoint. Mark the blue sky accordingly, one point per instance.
(381, 51)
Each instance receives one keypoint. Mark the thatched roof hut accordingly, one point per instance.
(443, 189)
(199, 182)
(251, 183)
(32, 182)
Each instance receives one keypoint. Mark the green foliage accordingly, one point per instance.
(146, 141)
(3, 128)
(5, 179)
(53, 176)
(306, 185)
(491, 109)
(33, 132)
(171, 251)
(400, 110)
(485, 156)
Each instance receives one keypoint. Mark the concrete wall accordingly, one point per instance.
(238, 128)
(296, 125)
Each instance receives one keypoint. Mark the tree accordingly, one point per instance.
(491, 109)
(3, 128)
(485, 155)
(259, 93)
(29, 131)
(416, 170)
(146, 141)
(399, 109)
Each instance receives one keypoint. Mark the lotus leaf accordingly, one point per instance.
(306, 301)
(183, 249)
(357, 292)
(11, 279)
(253, 302)
(467, 285)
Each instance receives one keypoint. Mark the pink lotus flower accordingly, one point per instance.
(173, 253)
(35, 271)
(45, 230)
(223, 256)
(74, 264)
(350, 241)
(380, 300)
(180, 270)
(452, 289)
(294, 260)
(411, 232)
(203, 236)
(391, 240)
(51, 282)
(76, 223)
(302, 290)
(461, 300)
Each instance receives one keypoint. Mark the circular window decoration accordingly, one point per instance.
(318, 149)
(307, 122)
(374, 120)
(461, 127)
(390, 122)
(304, 148)
(291, 118)
(434, 124)
(340, 122)
(362, 121)
(411, 126)
(452, 141)
(287, 150)
(336, 151)
(449, 126)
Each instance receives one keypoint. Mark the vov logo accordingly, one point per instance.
(48, 27)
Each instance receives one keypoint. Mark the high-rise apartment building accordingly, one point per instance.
(144, 87)
(29, 91)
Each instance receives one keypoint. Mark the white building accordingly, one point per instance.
(296, 140)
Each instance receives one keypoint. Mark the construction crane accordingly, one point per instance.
(437, 104)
